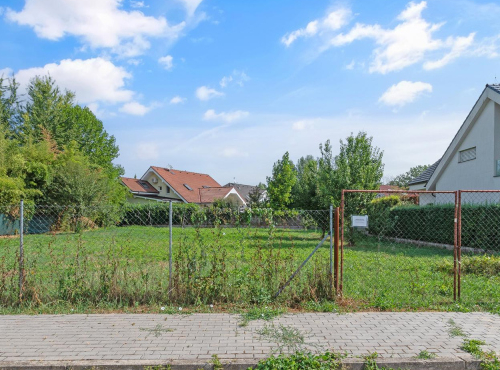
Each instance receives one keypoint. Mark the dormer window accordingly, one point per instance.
(144, 184)
(467, 155)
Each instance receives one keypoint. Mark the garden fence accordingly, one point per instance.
(161, 254)
(404, 248)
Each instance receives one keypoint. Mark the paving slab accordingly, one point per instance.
(190, 340)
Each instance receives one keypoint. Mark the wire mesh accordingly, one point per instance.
(119, 256)
(479, 248)
(400, 259)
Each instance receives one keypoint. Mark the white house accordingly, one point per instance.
(472, 160)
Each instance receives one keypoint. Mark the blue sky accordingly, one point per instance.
(226, 87)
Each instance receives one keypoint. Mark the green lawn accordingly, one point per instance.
(127, 268)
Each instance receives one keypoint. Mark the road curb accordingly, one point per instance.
(350, 364)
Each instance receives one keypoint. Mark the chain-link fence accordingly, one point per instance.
(479, 248)
(140, 255)
(395, 246)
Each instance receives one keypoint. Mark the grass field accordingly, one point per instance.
(127, 269)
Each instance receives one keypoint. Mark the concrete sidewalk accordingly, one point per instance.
(192, 339)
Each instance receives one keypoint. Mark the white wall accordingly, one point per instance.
(478, 174)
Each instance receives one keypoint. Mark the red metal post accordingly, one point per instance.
(455, 245)
(342, 225)
(336, 251)
(459, 243)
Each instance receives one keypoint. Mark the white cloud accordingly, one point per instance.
(404, 92)
(191, 5)
(92, 80)
(134, 62)
(350, 66)
(137, 4)
(407, 43)
(228, 117)
(147, 151)
(206, 93)
(332, 22)
(302, 125)
(99, 23)
(166, 62)
(177, 100)
(237, 77)
(135, 108)
(459, 46)
(6, 72)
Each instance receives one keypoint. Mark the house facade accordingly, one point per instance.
(160, 184)
(472, 160)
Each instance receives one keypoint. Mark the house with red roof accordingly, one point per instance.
(160, 184)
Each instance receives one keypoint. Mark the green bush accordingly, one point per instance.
(435, 223)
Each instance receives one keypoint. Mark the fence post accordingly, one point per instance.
(170, 248)
(331, 249)
(455, 247)
(459, 244)
(336, 254)
(21, 250)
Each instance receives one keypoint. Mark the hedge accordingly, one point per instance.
(435, 223)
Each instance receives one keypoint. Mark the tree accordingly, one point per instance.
(359, 164)
(255, 196)
(280, 184)
(404, 179)
(305, 190)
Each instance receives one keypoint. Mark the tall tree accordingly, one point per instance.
(280, 184)
(305, 190)
(404, 179)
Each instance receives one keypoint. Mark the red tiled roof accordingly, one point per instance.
(208, 195)
(138, 185)
(195, 181)
(389, 187)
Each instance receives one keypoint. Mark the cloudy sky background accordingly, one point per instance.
(226, 87)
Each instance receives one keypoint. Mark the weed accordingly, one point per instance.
(425, 355)
(158, 367)
(260, 313)
(157, 331)
(489, 360)
(216, 362)
(322, 306)
(286, 338)
(454, 330)
(302, 360)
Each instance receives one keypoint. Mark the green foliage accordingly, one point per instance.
(302, 361)
(402, 181)
(305, 190)
(359, 164)
(435, 224)
(378, 212)
(260, 313)
(485, 265)
(280, 184)
(489, 360)
(52, 150)
(426, 355)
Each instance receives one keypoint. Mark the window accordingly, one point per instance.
(144, 184)
(188, 187)
(497, 172)
(467, 155)
(160, 187)
(168, 189)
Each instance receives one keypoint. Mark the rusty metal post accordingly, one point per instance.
(342, 227)
(21, 250)
(336, 250)
(459, 243)
(455, 245)
(330, 274)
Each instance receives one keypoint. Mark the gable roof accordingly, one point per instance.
(208, 195)
(138, 185)
(426, 175)
(490, 92)
(186, 184)
(244, 190)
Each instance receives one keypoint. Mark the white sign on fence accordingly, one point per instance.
(359, 221)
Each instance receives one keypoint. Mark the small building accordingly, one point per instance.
(160, 184)
(246, 190)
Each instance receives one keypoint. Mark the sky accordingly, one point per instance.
(227, 87)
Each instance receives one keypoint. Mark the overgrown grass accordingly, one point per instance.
(126, 269)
